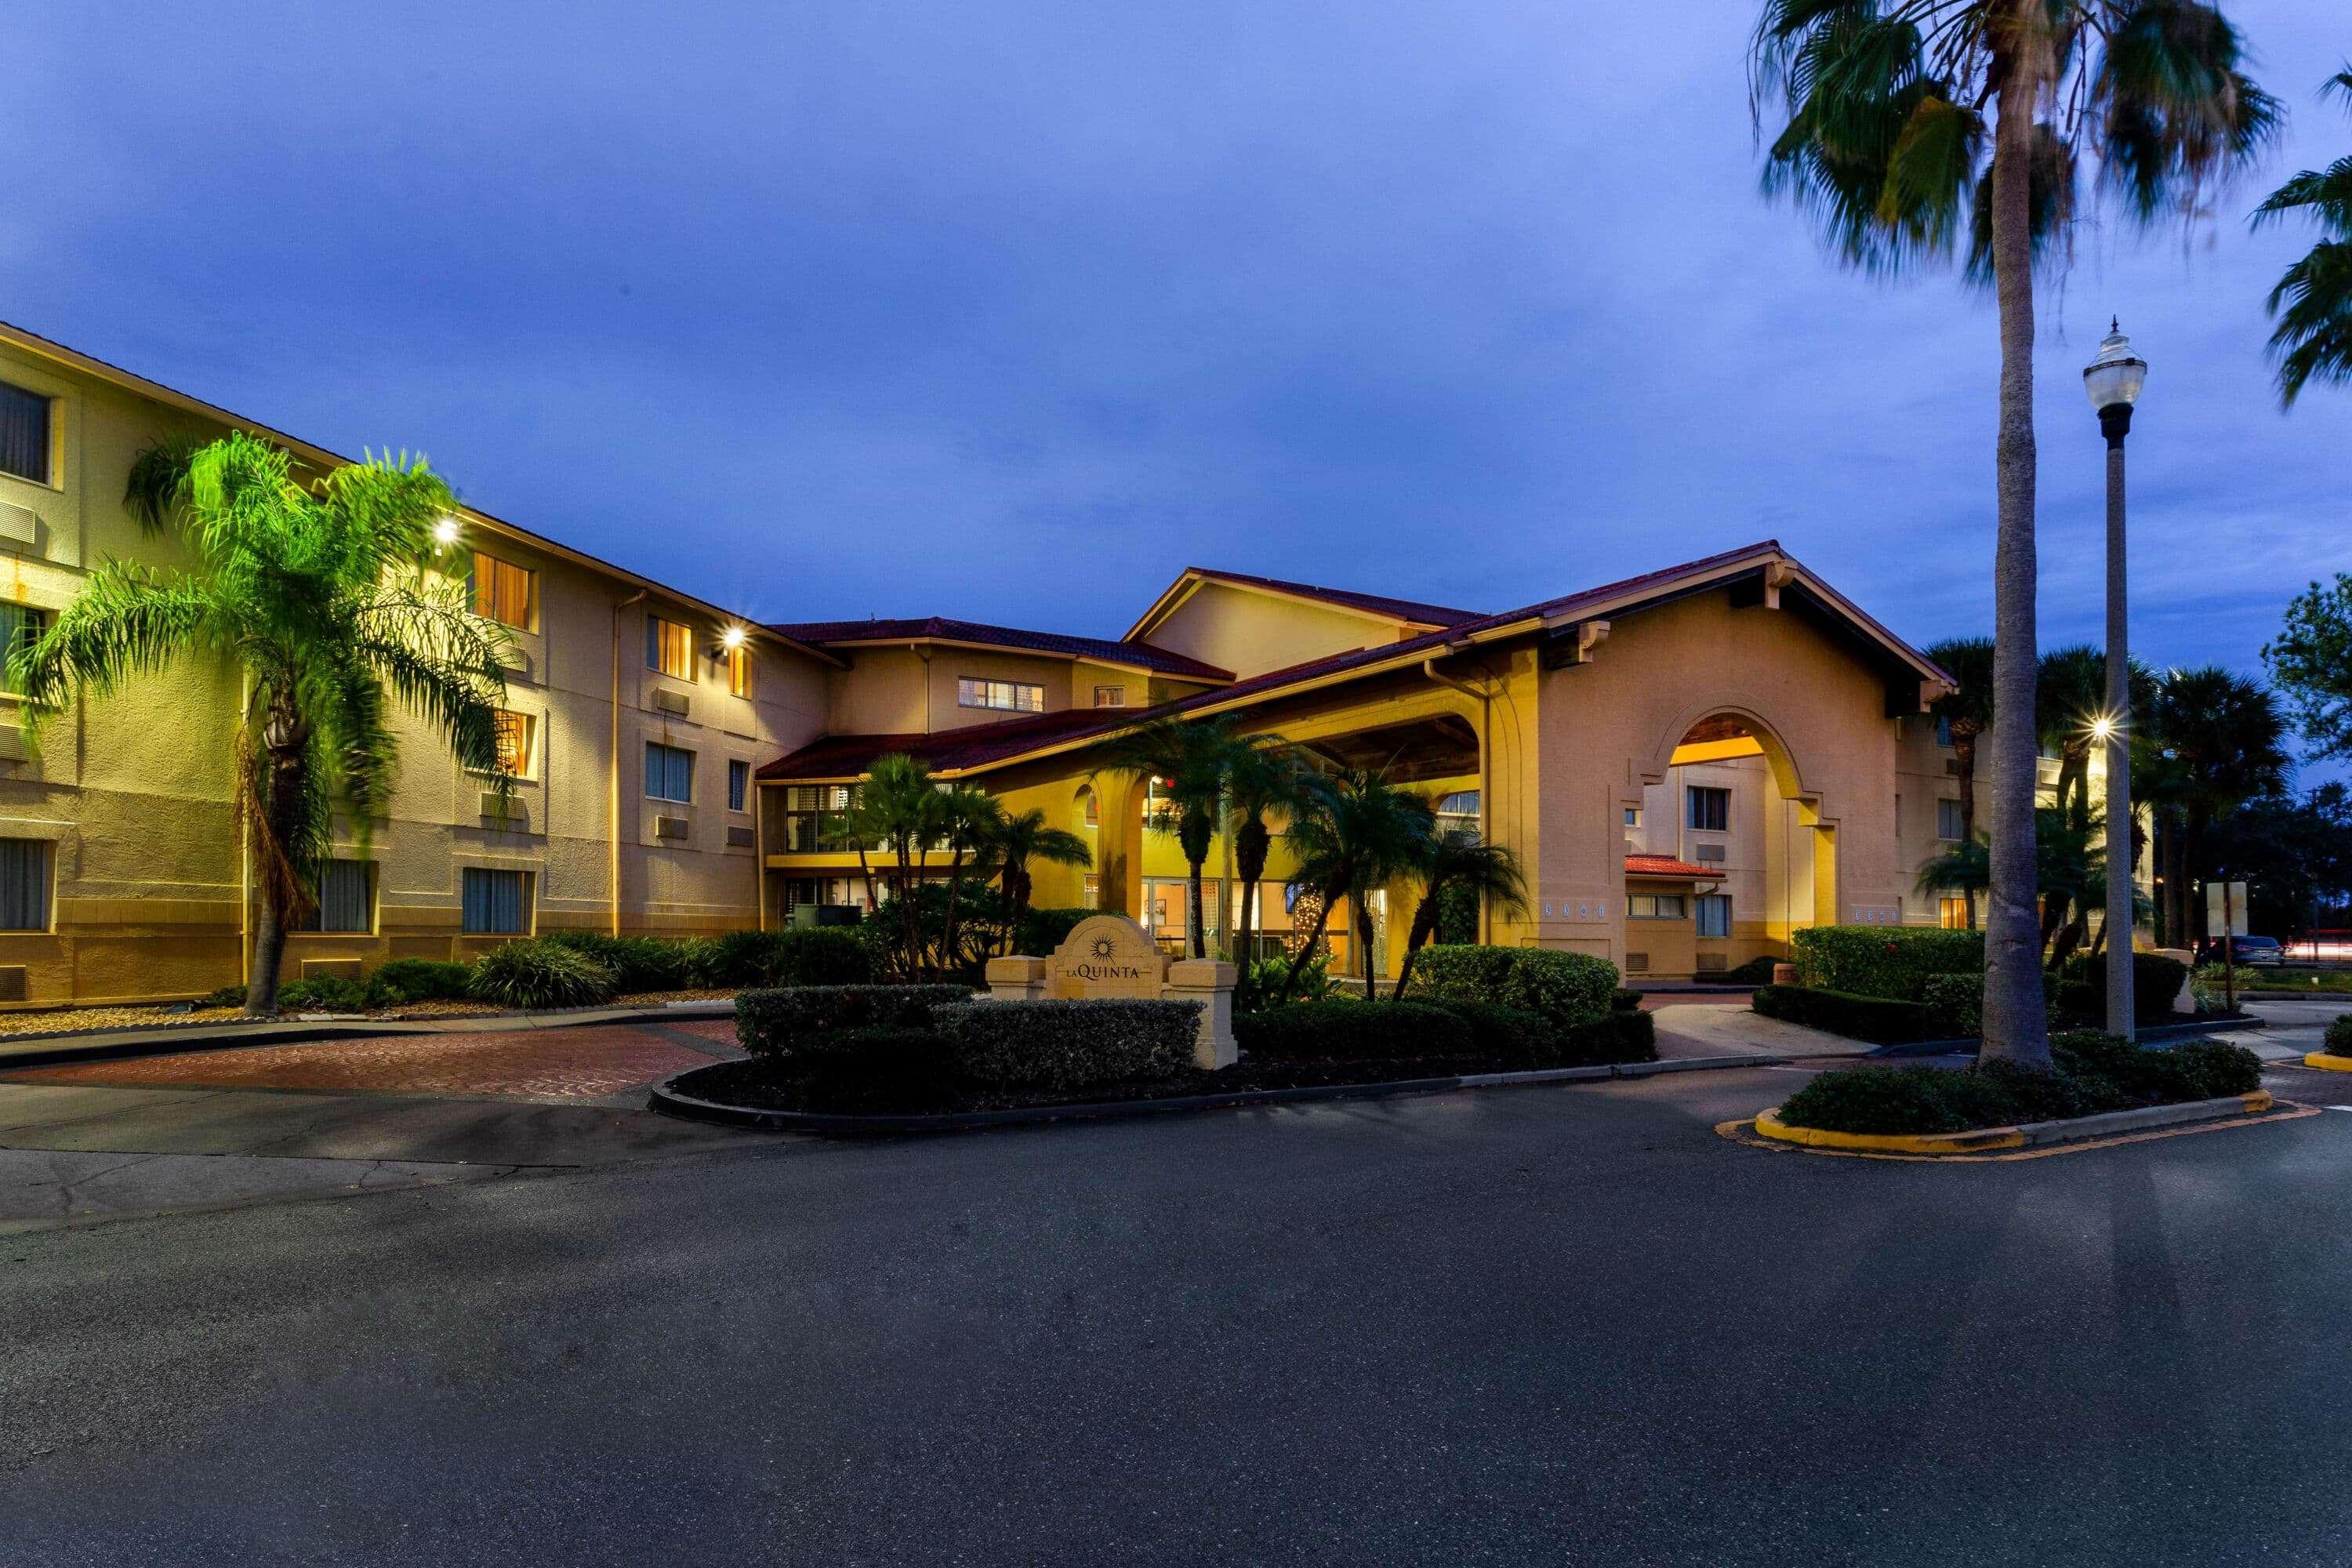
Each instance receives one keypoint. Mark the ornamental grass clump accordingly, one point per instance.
(542, 974)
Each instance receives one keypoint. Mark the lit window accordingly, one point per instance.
(345, 903)
(739, 784)
(1110, 696)
(669, 648)
(738, 671)
(21, 627)
(1714, 914)
(504, 592)
(495, 904)
(1952, 912)
(1656, 906)
(1948, 819)
(24, 884)
(669, 773)
(514, 742)
(1007, 696)
(1710, 809)
(24, 433)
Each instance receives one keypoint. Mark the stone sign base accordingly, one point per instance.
(1108, 956)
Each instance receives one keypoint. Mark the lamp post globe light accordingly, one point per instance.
(2113, 380)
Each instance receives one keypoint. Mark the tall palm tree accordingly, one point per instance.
(1190, 762)
(1021, 839)
(899, 808)
(1461, 862)
(1262, 779)
(969, 820)
(321, 594)
(1358, 831)
(2070, 693)
(2227, 739)
(1911, 122)
(2313, 301)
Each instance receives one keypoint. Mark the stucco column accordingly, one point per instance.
(1118, 844)
(1208, 982)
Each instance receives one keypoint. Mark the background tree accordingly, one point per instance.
(1965, 712)
(1909, 122)
(2224, 740)
(1460, 864)
(898, 809)
(319, 595)
(2311, 659)
(2294, 855)
(2070, 692)
(2313, 301)
(1359, 832)
(1263, 780)
(970, 821)
(1021, 839)
(1190, 762)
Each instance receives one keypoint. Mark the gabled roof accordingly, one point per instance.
(937, 628)
(1411, 612)
(1670, 869)
(949, 751)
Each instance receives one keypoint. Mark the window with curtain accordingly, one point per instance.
(345, 891)
(495, 904)
(1656, 906)
(1009, 696)
(739, 784)
(669, 772)
(1110, 696)
(738, 671)
(1948, 819)
(669, 647)
(504, 592)
(24, 884)
(24, 433)
(1714, 914)
(515, 734)
(21, 625)
(1710, 809)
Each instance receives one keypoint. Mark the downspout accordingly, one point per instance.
(759, 851)
(636, 597)
(1486, 750)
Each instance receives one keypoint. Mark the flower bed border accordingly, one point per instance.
(2326, 1062)
(668, 1099)
(2024, 1136)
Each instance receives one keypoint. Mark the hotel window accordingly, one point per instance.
(24, 433)
(1948, 819)
(504, 592)
(1656, 906)
(515, 732)
(24, 884)
(21, 625)
(1714, 914)
(814, 814)
(1952, 912)
(1943, 732)
(739, 783)
(669, 647)
(344, 902)
(1632, 817)
(495, 904)
(1710, 809)
(1110, 696)
(1007, 696)
(738, 671)
(669, 773)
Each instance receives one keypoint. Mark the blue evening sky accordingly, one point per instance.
(1011, 310)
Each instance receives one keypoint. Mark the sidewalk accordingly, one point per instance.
(1704, 1029)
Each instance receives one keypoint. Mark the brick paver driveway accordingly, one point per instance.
(589, 1063)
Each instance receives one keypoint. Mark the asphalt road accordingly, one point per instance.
(1558, 1325)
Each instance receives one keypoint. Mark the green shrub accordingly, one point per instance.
(2080, 1004)
(321, 994)
(816, 955)
(2339, 1036)
(2095, 1073)
(1755, 972)
(1624, 1001)
(636, 963)
(1879, 1020)
(226, 996)
(1315, 981)
(2156, 981)
(872, 1069)
(418, 980)
(1911, 1100)
(542, 974)
(1043, 931)
(1514, 1038)
(2209, 987)
(1957, 1002)
(1885, 961)
(1068, 1044)
(783, 1021)
(1619, 1037)
(1346, 1028)
(1565, 987)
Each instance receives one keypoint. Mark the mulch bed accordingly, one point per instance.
(755, 1084)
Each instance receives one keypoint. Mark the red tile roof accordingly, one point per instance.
(1379, 603)
(1669, 867)
(968, 746)
(1141, 655)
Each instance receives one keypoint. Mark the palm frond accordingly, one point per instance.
(128, 620)
(157, 480)
(2324, 196)
(2312, 306)
(2175, 111)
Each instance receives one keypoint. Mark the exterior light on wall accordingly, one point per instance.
(733, 639)
(2103, 729)
(2112, 382)
(445, 532)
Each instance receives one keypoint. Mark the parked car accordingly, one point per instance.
(2256, 949)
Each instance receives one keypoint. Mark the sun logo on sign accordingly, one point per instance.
(1103, 948)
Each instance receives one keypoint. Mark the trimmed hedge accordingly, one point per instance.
(2093, 1073)
(1347, 1028)
(1881, 1020)
(784, 1020)
(1565, 987)
(1893, 961)
(1957, 1002)
(419, 980)
(2339, 1036)
(1619, 1037)
(1518, 1038)
(874, 1068)
(1623, 1001)
(1755, 972)
(1068, 1044)
(2156, 981)
(540, 973)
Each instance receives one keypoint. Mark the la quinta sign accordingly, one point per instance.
(1106, 955)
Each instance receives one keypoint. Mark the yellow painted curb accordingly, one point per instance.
(1769, 1125)
(2326, 1063)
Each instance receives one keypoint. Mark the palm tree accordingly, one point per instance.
(969, 820)
(1460, 862)
(898, 809)
(2313, 301)
(2226, 738)
(1263, 779)
(1358, 831)
(1965, 712)
(320, 593)
(1019, 839)
(1891, 105)
(1191, 762)
(2070, 692)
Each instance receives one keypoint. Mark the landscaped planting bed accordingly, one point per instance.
(2095, 1073)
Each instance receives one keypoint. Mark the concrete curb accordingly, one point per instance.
(173, 1039)
(2325, 1062)
(2026, 1135)
(2151, 1033)
(666, 1098)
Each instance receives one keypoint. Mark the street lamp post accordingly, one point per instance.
(2113, 380)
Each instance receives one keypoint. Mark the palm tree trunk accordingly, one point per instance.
(910, 921)
(1362, 914)
(1250, 844)
(1424, 926)
(1306, 949)
(1196, 927)
(2016, 1028)
(955, 890)
(2174, 858)
(1964, 758)
(283, 783)
(1016, 900)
